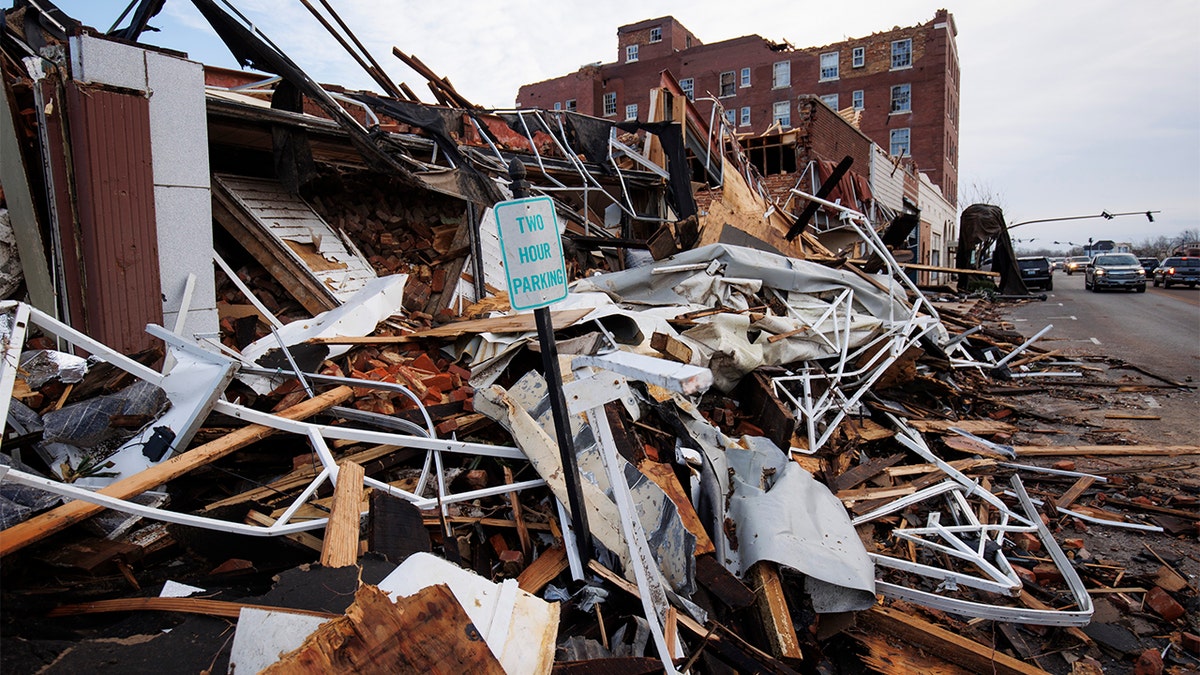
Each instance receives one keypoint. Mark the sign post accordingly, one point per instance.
(537, 278)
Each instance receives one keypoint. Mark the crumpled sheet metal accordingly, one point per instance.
(766, 507)
(42, 365)
(532, 429)
(778, 272)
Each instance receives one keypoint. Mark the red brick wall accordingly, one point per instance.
(933, 76)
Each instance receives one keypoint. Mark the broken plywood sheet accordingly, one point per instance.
(310, 258)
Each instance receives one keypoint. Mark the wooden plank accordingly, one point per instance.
(303, 538)
(963, 465)
(773, 611)
(770, 414)
(1074, 631)
(671, 347)
(515, 323)
(977, 427)
(1130, 416)
(426, 632)
(397, 529)
(664, 477)
(1106, 450)
(864, 472)
(884, 657)
(39, 527)
(221, 608)
(722, 584)
(340, 548)
(514, 501)
(949, 645)
(875, 493)
(952, 270)
(1074, 491)
(551, 563)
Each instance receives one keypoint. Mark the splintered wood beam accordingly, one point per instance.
(514, 501)
(551, 563)
(947, 644)
(664, 477)
(1106, 450)
(773, 611)
(55, 520)
(340, 548)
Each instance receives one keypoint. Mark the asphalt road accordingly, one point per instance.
(1158, 330)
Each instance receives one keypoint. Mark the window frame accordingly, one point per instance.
(744, 118)
(784, 82)
(858, 99)
(785, 120)
(571, 105)
(631, 107)
(829, 73)
(906, 143)
(656, 34)
(631, 53)
(906, 54)
(609, 103)
(688, 85)
(744, 79)
(731, 116)
(858, 57)
(558, 105)
(824, 99)
(732, 84)
(901, 101)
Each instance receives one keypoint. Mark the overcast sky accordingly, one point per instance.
(1068, 108)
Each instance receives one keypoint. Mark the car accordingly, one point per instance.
(1149, 264)
(1115, 270)
(1178, 270)
(1036, 270)
(1077, 263)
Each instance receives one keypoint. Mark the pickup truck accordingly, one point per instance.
(1178, 270)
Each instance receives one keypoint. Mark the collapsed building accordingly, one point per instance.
(224, 274)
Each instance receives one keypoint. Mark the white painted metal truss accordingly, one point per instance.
(19, 316)
(976, 538)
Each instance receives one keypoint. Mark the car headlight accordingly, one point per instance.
(1100, 273)
(1142, 272)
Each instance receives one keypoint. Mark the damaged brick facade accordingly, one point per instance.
(902, 79)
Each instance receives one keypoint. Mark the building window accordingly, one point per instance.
(727, 84)
(731, 116)
(745, 121)
(557, 105)
(899, 143)
(858, 57)
(902, 98)
(782, 113)
(688, 85)
(656, 34)
(610, 104)
(631, 53)
(745, 77)
(830, 100)
(902, 53)
(571, 105)
(856, 99)
(781, 75)
(829, 66)
(631, 111)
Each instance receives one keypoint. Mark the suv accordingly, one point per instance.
(1149, 264)
(1115, 270)
(1077, 264)
(1037, 271)
(1185, 270)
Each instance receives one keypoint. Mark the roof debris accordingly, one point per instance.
(791, 455)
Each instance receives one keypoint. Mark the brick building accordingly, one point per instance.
(904, 83)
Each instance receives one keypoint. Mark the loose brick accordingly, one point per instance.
(1148, 663)
(1163, 604)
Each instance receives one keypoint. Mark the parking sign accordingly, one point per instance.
(532, 252)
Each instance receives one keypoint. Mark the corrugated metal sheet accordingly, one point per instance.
(118, 238)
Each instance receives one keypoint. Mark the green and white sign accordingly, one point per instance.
(532, 252)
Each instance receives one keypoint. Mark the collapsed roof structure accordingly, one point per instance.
(330, 266)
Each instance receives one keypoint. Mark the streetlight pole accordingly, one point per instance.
(1103, 214)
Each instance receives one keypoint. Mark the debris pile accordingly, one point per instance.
(788, 458)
